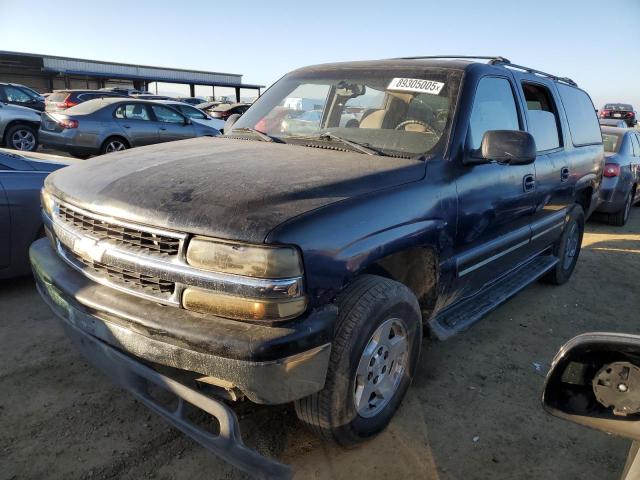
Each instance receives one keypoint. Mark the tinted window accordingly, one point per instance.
(611, 142)
(191, 112)
(581, 114)
(494, 108)
(166, 115)
(14, 94)
(5, 167)
(636, 145)
(132, 111)
(543, 116)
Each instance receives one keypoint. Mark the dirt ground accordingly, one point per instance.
(473, 411)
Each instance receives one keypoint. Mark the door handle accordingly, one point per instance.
(528, 183)
(163, 128)
(564, 174)
(126, 126)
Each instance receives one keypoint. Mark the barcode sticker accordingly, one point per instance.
(415, 85)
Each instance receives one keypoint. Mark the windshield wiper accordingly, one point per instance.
(354, 145)
(263, 136)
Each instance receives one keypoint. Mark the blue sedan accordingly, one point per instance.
(620, 185)
(21, 178)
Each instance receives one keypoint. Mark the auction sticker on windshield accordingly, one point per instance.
(415, 85)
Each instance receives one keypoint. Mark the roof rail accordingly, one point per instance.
(537, 72)
(462, 57)
(495, 60)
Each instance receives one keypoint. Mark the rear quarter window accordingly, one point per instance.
(581, 115)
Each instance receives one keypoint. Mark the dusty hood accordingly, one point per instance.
(226, 188)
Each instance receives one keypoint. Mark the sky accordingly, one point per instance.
(594, 42)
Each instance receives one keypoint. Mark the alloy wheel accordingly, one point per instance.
(115, 146)
(381, 367)
(23, 140)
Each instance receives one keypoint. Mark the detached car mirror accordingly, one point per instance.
(595, 381)
(228, 125)
(511, 147)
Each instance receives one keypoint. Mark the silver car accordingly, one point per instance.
(195, 114)
(108, 125)
(19, 127)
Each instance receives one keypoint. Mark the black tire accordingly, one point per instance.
(107, 144)
(21, 137)
(368, 303)
(565, 249)
(620, 218)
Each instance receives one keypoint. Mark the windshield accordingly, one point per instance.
(396, 111)
(611, 142)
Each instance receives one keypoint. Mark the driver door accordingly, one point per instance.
(496, 201)
(171, 125)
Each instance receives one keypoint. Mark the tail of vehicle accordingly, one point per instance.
(59, 101)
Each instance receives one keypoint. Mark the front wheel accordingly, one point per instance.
(22, 137)
(373, 360)
(568, 247)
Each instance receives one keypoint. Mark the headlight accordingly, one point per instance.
(258, 261)
(241, 308)
(241, 259)
(47, 202)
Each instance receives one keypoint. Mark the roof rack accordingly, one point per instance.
(507, 63)
(496, 60)
(461, 57)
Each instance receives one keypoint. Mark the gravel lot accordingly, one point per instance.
(472, 413)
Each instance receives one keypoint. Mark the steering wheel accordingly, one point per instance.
(428, 128)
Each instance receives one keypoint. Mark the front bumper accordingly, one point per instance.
(139, 380)
(269, 364)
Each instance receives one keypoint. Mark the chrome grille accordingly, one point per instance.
(120, 234)
(126, 278)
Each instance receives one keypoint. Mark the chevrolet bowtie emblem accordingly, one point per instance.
(88, 249)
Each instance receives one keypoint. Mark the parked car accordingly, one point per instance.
(594, 381)
(303, 268)
(225, 110)
(109, 125)
(610, 122)
(150, 96)
(60, 100)
(195, 114)
(128, 91)
(208, 105)
(19, 127)
(309, 122)
(622, 111)
(620, 190)
(192, 100)
(21, 178)
(16, 94)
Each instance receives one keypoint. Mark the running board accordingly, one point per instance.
(461, 316)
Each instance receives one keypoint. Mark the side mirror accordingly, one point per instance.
(511, 147)
(228, 125)
(594, 381)
(187, 121)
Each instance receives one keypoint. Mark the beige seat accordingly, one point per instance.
(374, 120)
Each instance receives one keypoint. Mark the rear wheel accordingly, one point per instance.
(620, 218)
(373, 359)
(568, 248)
(22, 137)
(114, 144)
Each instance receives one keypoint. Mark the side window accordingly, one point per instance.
(581, 115)
(542, 113)
(635, 141)
(494, 108)
(166, 115)
(4, 167)
(14, 94)
(191, 112)
(132, 111)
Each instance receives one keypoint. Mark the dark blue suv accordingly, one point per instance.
(299, 258)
